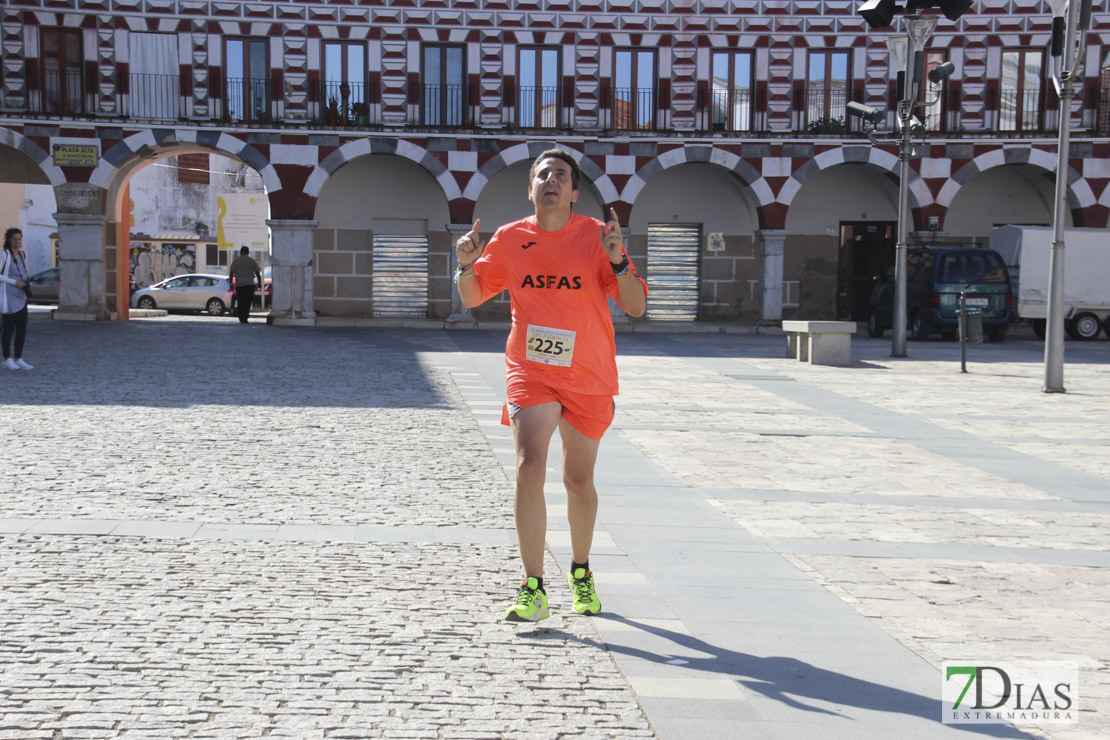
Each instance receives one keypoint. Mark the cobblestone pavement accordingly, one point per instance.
(209, 530)
(387, 628)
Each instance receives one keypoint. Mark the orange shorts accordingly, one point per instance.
(589, 414)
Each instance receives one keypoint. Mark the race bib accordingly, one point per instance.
(550, 346)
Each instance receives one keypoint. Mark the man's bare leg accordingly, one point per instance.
(579, 457)
(532, 430)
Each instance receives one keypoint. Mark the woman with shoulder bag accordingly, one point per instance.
(14, 292)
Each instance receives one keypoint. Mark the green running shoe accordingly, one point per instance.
(530, 605)
(585, 597)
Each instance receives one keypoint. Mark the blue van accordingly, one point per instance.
(935, 277)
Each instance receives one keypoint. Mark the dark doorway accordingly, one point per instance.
(866, 250)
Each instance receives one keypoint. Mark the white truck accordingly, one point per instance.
(1026, 251)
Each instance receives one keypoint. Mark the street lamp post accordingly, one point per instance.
(1068, 55)
(909, 51)
(907, 55)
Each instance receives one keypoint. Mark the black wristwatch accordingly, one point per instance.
(619, 268)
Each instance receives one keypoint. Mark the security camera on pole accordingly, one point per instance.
(1068, 54)
(908, 55)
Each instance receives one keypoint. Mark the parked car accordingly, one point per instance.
(935, 277)
(208, 293)
(44, 286)
(267, 288)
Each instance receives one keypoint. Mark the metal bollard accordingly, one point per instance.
(971, 329)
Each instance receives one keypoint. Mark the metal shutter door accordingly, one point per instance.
(400, 277)
(672, 271)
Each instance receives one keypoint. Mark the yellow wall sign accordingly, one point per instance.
(76, 155)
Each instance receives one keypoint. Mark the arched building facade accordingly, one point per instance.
(381, 133)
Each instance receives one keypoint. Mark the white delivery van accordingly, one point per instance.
(1026, 251)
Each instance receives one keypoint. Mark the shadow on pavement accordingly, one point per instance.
(790, 681)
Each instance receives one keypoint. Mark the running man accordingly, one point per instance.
(560, 269)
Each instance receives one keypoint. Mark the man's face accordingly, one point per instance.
(551, 185)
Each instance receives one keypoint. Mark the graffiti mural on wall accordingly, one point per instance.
(153, 262)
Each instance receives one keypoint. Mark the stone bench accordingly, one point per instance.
(820, 342)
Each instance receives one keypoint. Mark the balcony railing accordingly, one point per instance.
(446, 105)
(634, 108)
(539, 107)
(154, 97)
(1020, 110)
(728, 109)
(337, 103)
(62, 93)
(823, 111)
(726, 112)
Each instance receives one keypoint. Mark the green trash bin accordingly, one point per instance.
(973, 326)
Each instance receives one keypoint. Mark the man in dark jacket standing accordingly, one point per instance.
(243, 271)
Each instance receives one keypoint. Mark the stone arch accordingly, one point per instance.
(364, 147)
(126, 157)
(127, 154)
(529, 151)
(100, 224)
(35, 153)
(700, 153)
(1079, 192)
(884, 162)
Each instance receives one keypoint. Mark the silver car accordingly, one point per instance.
(208, 293)
(44, 286)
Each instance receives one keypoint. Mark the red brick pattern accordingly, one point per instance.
(395, 52)
(13, 85)
(105, 93)
(684, 80)
(491, 73)
(294, 44)
(587, 80)
(198, 45)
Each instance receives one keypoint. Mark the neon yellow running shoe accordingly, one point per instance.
(530, 604)
(585, 597)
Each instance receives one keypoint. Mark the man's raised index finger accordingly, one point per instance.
(477, 225)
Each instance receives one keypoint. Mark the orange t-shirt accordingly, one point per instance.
(559, 283)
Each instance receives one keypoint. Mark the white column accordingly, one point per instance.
(772, 245)
(460, 317)
(83, 287)
(291, 260)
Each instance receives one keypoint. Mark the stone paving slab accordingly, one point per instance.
(878, 516)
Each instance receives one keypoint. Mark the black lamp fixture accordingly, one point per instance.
(880, 13)
(941, 72)
(953, 9)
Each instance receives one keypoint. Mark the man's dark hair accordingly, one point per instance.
(245, 250)
(8, 237)
(575, 170)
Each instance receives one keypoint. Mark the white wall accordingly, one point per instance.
(696, 192)
(165, 206)
(31, 208)
(381, 186)
(846, 192)
(1012, 194)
